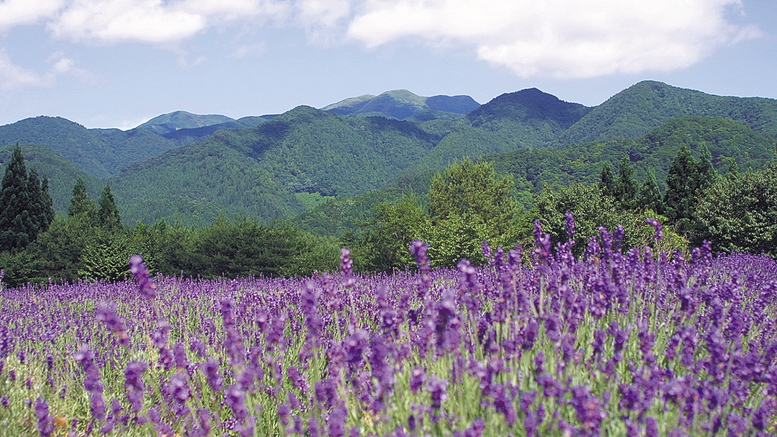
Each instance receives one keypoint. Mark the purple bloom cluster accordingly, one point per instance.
(618, 342)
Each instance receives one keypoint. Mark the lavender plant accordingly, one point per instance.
(617, 342)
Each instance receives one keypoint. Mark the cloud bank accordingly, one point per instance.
(578, 38)
(559, 38)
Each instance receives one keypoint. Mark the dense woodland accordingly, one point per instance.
(279, 195)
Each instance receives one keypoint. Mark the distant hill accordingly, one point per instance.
(404, 105)
(636, 110)
(166, 123)
(525, 119)
(276, 166)
(727, 141)
(534, 169)
(263, 171)
(100, 152)
(62, 173)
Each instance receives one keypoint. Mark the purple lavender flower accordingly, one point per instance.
(336, 422)
(658, 228)
(570, 225)
(106, 313)
(142, 276)
(437, 387)
(417, 379)
(45, 422)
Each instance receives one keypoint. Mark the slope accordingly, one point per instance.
(638, 109)
(404, 105)
(62, 173)
(260, 171)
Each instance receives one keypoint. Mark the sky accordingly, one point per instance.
(118, 63)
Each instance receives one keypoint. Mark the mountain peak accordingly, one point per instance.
(166, 123)
(403, 104)
(529, 104)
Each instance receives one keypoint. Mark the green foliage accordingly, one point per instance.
(385, 243)
(80, 204)
(470, 203)
(56, 254)
(607, 180)
(739, 214)
(626, 186)
(107, 215)
(649, 195)
(591, 210)
(25, 209)
(682, 187)
(106, 256)
(635, 111)
(100, 152)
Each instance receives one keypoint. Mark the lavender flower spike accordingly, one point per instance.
(140, 271)
(657, 226)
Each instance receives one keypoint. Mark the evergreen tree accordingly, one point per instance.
(47, 202)
(80, 202)
(707, 174)
(626, 186)
(649, 196)
(733, 170)
(17, 225)
(607, 180)
(681, 189)
(107, 212)
(35, 196)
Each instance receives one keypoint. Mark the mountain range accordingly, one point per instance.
(191, 168)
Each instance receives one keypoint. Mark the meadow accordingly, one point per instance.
(617, 342)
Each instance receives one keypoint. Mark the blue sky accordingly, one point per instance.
(117, 63)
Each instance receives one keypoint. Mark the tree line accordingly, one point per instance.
(467, 203)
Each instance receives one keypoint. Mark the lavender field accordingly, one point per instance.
(617, 342)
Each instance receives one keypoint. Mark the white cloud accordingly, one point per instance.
(21, 12)
(563, 38)
(154, 21)
(14, 76)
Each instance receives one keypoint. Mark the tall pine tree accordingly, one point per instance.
(626, 186)
(682, 183)
(18, 223)
(107, 212)
(649, 196)
(607, 180)
(80, 202)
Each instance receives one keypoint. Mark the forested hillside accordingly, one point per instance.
(196, 167)
(636, 110)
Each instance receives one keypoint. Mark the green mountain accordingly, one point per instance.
(166, 123)
(100, 152)
(648, 104)
(404, 105)
(273, 170)
(524, 119)
(727, 141)
(534, 169)
(308, 160)
(61, 172)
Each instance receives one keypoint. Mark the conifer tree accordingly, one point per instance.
(607, 180)
(707, 174)
(107, 212)
(35, 206)
(626, 186)
(681, 188)
(649, 196)
(17, 226)
(80, 202)
(47, 202)
(733, 170)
